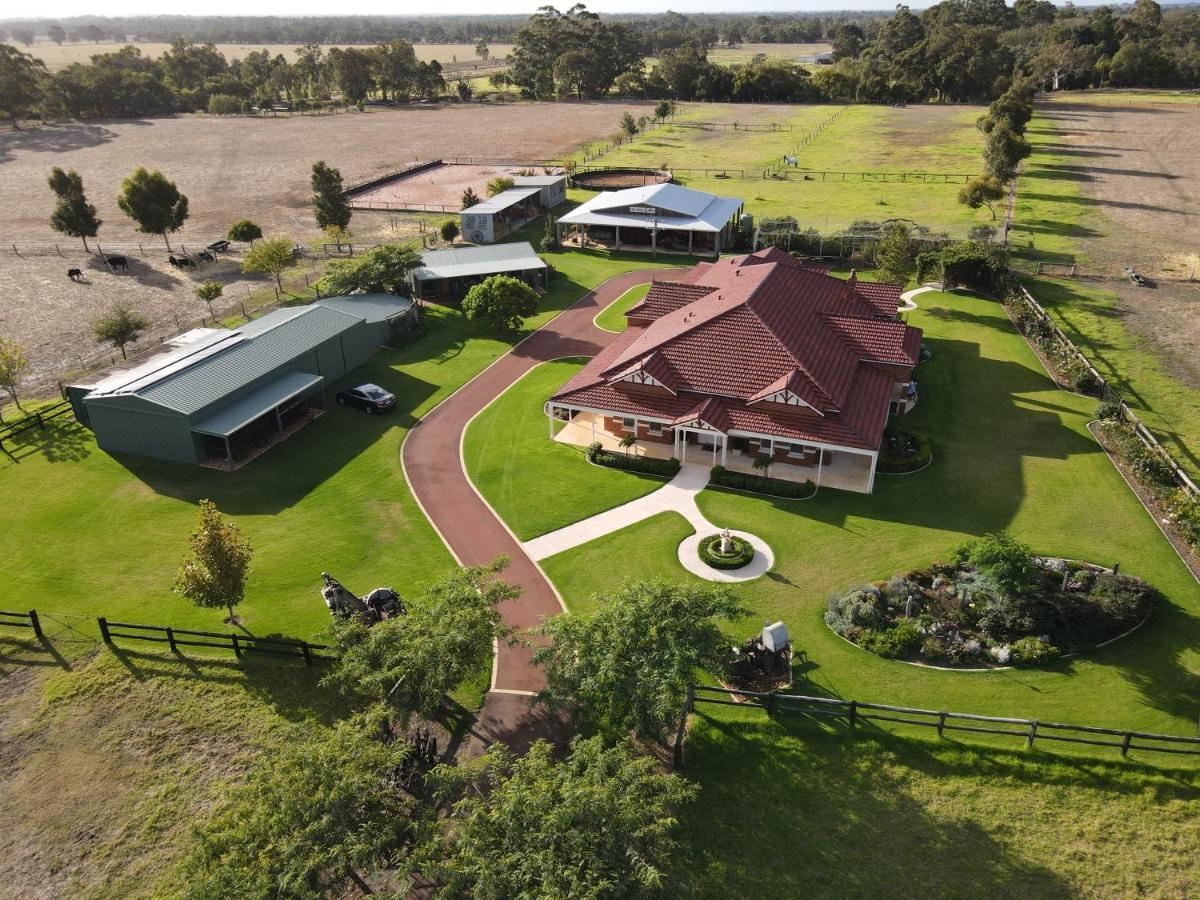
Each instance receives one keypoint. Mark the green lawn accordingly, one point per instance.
(534, 483)
(612, 317)
(101, 535)
(862, 139)
(788, 809)
(1052, 216)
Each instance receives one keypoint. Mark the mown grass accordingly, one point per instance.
(512, 460)
(1051, 219)
(612, 317)
(786, 808)
(862, 139)
(1011, 451)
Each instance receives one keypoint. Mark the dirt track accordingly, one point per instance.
(1139, 166)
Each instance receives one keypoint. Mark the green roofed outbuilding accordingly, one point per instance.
(220, 397)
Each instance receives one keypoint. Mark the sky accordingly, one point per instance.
(66, 8)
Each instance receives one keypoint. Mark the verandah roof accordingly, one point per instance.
(257, 403)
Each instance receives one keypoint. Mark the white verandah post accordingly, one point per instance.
(550, 418)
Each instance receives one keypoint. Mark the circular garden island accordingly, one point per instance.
(725, 552)
(996, 604)
(903, 450)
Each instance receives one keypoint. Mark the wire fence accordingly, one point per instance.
(852, 713)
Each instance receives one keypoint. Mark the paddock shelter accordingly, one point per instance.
(449, 274)
(220, 397)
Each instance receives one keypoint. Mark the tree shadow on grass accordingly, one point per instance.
(54, 139)
(787, 808)
(290, 687)
(63, 440)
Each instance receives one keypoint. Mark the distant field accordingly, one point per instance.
(743, 53)
(1124, 98)
(60, 56)
(872, 139)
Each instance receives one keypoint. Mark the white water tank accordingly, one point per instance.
(775, 637)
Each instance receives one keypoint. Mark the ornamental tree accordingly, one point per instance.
(502, 301)
(597, 824)
(245, 231)
(14, 364)
(73, 215)
(153, 202)
(893, 256)
(120, 326)
(469, 198)
(208, 292)
(499, 185)
(381, 269)
(411, 662)
(628, 667)
(213, 574)
(449, 231)
(312, 812)
(269, 257)
(983, 190)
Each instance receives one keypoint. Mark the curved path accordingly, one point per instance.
(472, 531)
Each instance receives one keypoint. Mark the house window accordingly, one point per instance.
(654, 428)
(627, 424)
(766, 446)
(796, 450)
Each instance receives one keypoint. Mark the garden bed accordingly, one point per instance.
(759, 484)
(738, 557)
(665, 468)
(996, 605)
(903, 452)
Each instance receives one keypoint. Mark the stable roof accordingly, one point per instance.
(502, 201)
(664, 206)
(489, 259)
(257, 403)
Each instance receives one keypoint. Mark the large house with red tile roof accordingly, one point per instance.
(751, 356)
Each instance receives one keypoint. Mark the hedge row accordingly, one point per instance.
(775, 487)
(1153, 473)
(710, 555)
(1071, 371)
(667, 468)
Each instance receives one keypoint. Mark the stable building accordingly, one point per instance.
(220, 397)
(660, 217)
(449, 274)
(496, 217)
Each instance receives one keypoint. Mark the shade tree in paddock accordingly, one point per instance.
(153, 202)
(213, 573)
(269, 257)
(14, 365)
(72, 215)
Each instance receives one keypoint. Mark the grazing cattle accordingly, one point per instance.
(75, 274)
(117, 262)
(206, 256)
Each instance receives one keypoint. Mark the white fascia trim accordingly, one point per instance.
(607, 412)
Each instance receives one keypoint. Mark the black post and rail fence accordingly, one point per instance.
(111, 632)
(856, 712)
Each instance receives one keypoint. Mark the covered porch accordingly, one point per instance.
(252, 425)
(841, 469)
(584, 428)
(641, 239)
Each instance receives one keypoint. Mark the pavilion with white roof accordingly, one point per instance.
(665, 217)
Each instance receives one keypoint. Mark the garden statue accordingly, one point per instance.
(726, 542)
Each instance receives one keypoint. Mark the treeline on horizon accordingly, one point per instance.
(661, 31)
(957, 51)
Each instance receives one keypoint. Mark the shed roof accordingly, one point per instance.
(539, 180)
(672, 207)
(488, 259)
(257, 403)
(502, 200)
(372, 307)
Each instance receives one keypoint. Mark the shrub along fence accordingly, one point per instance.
(852, 712)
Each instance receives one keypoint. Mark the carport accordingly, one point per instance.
(264, 417)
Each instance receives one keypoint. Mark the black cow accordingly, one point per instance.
(117, 262)
(206, 256)
(75, 274)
